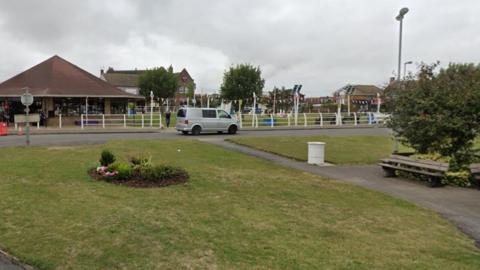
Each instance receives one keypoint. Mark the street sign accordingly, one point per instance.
(27, 99)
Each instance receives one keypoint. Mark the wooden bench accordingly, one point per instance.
(432, 169)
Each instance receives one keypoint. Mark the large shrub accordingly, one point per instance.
(439, 112)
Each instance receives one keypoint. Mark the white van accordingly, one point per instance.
(197, 120)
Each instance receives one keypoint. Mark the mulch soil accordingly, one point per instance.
(137, 182)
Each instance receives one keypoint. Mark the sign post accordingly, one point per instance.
(27, 100)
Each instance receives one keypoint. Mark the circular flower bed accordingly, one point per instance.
(139, 172)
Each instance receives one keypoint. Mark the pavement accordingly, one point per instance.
(459, 205)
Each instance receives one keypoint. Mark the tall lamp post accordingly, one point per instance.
(400, 16)
(405, 69)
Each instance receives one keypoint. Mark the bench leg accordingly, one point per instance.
(436, 182)
(389, 172)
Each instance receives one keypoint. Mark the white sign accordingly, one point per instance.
(27, 99)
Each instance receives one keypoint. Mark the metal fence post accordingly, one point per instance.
(305, 119)
(81, 121)
(271, 120)
(256, 121)
(143, 120)
(321, 119)
(240, 119)
(59, 121)
(103, 120)
(355, 119)
(124, 121)
(288, 119)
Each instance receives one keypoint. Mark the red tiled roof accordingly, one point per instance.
(56, 77)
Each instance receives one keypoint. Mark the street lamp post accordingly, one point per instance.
(405, 69)
(400, 16)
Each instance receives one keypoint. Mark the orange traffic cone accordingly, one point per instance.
(20, 131)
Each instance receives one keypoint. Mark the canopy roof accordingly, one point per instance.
(56, 77)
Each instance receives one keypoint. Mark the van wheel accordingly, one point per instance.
(196, 130)
(232, 130)
(185, 132)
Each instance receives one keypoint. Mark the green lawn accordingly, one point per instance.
(236, 212)
(338, 149)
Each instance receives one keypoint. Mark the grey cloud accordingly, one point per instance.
(321, 44)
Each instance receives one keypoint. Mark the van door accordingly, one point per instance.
(209, 119)
(224, 120)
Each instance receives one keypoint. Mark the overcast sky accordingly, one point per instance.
(320, 44)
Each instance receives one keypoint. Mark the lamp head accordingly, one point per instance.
(402, 13)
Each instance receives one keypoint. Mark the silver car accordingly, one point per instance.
(197, 120)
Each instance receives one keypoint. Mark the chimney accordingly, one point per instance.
(101, 72)
(392, 79)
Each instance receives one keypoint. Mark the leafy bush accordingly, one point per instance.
(438, 112)
(160, 172)
(141, 161)
(124, 171)
(106, 158)
(113, 167)
(460, 178)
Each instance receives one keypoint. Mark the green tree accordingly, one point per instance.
(283, 97)
(241, 81)
(163, 82)
(191, 90)
(440, 112)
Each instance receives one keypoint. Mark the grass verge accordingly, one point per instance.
(338, 149)
(236, 212)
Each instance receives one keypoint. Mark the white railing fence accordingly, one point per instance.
(156, 120)
(310, 119)
(148, 120)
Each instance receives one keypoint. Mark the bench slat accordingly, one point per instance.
(410, 170)
(413, 163)
(429, 162)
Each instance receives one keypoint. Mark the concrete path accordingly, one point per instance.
(459, 205)
(8, 263)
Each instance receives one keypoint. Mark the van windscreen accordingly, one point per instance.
(181, 113)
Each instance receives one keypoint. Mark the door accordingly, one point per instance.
(209, 119)
(224, 120)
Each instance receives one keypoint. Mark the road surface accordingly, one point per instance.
(99, 138)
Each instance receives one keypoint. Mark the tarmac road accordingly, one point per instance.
(100, 138)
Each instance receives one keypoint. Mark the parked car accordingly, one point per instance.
(197, 120)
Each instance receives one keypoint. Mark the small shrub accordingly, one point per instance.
(106, 158)
(141, 161)
(124, 171)
(113, 167)
(160, 172)
(459, 178)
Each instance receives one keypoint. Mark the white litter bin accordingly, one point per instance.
(316, 153)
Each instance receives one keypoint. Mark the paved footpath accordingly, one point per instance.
(459, 205)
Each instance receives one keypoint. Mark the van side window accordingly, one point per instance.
(209, 114)
(223, 114)
(181, 113)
